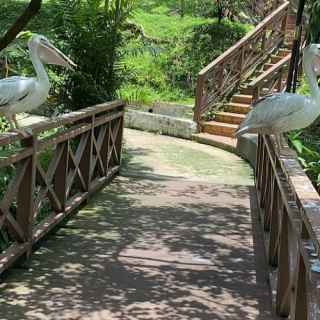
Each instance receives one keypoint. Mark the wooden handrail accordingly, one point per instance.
(290, 209)
(272, 80)
(225, 73)
(50, 177)
(65, 119)
(270, 72)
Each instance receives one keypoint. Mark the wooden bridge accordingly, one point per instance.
(185, 231)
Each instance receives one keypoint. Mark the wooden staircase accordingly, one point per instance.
(226, 122)
(264, 80)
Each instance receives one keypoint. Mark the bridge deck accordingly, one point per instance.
(164, 241)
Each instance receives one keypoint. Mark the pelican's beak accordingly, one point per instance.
(51, 55)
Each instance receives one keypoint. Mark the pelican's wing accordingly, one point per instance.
(15, 89)
(269, 109)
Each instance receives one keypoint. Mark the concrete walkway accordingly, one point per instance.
(173, 238)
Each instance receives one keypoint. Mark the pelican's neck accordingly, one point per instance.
(38, 66)
(312, 80)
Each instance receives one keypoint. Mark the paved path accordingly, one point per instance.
(166, 240)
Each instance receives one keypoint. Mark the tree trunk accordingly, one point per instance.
(32, 9)
(182, 8)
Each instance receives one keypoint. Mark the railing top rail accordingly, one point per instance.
(11, 137)
(273, 70)
(305, 194)
(259, 28)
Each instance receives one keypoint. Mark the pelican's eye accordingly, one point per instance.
(43, 41)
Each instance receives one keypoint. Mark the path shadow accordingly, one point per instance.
(147, 248)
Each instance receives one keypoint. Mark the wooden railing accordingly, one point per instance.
(290, 215)
(45, 179)
(271, 81)
(224, 74)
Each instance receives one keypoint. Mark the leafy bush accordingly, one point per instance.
(90, 30)
(307, 147)
(207, 42)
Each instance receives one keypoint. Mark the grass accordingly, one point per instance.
(149, 82)
(168, 26)
(161, 67)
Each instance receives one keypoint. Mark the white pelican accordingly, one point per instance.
(21, 94)
(283, 112)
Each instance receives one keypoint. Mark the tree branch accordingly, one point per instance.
(32, 9)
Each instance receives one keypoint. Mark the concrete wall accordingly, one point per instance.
(167, 109)
(162, 124)
(247, 148)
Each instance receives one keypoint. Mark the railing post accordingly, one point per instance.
(85, 164)
(284, 25)
(255, 94)
(119, 139)
(279, 84)
(274, 227)
(199, 99)
(61, 174)
(25, 205)
(283, 290)
(300, 299)
(221, 80)
(263, 41)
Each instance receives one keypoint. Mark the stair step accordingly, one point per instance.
(229, 117)
(234, 107)
(219, 128)
(225, 143)
(291, 19)
(242, 98)
(267, 66)
(246, 90)
(284, 52)
(275, 59)
(288, 45)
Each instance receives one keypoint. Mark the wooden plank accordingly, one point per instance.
(70, 118)
(25, 209)
(9, 256)
(16, 157)
(60, 178)
(85, 164)
(64, 136)
(75, 116)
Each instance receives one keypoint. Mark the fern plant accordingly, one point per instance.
(91, 32)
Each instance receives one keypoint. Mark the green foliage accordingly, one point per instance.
(306, 142)
(91, 34)
(207, 42)
(200, 8)
(164, 62)
(308, 150)
(138, 94)
(167, 26)
(314, 24)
